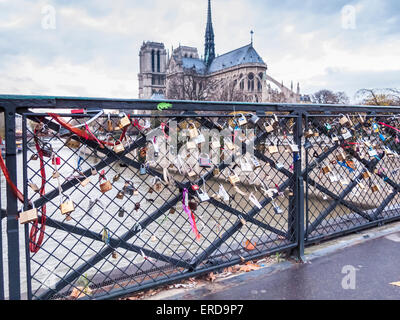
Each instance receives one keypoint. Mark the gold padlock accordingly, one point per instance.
(67, 207)
(124, 122)
(309, 134)
(273, 149)
(120, 195)
(105, 187)
(341, 157)
(28, 216)
(343, 120)
(119, 148)
(269, 128)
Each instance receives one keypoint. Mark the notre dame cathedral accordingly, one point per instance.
(239, 75)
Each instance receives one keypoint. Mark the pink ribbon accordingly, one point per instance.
(190, 215)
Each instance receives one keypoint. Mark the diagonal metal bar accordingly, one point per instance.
(236, 226)
(107, 251)
(114, 243)
(337, 198)
(335, 203)
(252, 220)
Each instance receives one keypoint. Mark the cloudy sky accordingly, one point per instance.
(93, 50)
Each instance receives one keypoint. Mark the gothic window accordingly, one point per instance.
(158, 61)
(153, 68)
(250, 82)
(259, 86)
(241, 85)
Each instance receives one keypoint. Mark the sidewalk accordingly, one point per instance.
(375, 254)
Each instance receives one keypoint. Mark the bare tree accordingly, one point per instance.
(329, 97)
(379, 97)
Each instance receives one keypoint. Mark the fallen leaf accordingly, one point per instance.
(250, 246)
(249, 267)
(211, 277)
(397, 284)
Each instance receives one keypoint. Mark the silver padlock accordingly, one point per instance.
(143, 170)
(254, 119)
(204, 161)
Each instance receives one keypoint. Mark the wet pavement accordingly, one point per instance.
(375, 264)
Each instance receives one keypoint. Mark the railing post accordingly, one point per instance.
(296, 205)
(12, 208)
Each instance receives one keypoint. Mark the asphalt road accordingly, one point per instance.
(377, 262)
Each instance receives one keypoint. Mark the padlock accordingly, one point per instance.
(47, 150)
(130, 190)
(67, 207)
(119, 148)
(256, 163)
(273, 149)
(279, 166)
(28, 216)
(326, 170)
(277, 209)
(234, 179)
(328, 126)
(203, 195)
(192, 205)
(375, 188)
(344, 120)
(110, 126)
(105, 187)
(216, 172)
(72, 143)
(193, 133)
(172, 210)
(341, 157)
(200, 139)
(245, 165)
(242, 120)
(309, 133)
(143, 169)
(114, 255)
(294, 148)
(121, 212)
(190, 145)
(269, 128)
(204, 161)
(372, 153)
(124, 121)
(347, 135)
(254, 119)
(230, 146)
(116, 177)
(85, 182)
(335, 138)
(366, 175)
(34, 157)
(120, 195)
(55, 174)
(137, 206)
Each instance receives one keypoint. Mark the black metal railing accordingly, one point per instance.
(173, 189)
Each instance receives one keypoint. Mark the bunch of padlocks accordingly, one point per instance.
(354, 140)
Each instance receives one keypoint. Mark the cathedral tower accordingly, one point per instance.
(209, 52)
(153, 65)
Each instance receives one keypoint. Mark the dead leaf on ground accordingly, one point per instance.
(250, 246)
(249, 266)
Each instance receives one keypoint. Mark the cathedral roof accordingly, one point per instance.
(197, 64)
(244, 55)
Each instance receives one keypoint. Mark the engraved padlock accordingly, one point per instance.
(67, 207)
(204, 161)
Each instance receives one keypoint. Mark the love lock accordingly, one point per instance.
(204, 161)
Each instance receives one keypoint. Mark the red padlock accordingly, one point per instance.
(195, 187)
(56, 161)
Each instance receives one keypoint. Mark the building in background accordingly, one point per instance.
(239, 75)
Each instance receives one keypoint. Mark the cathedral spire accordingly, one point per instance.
(209, 52)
